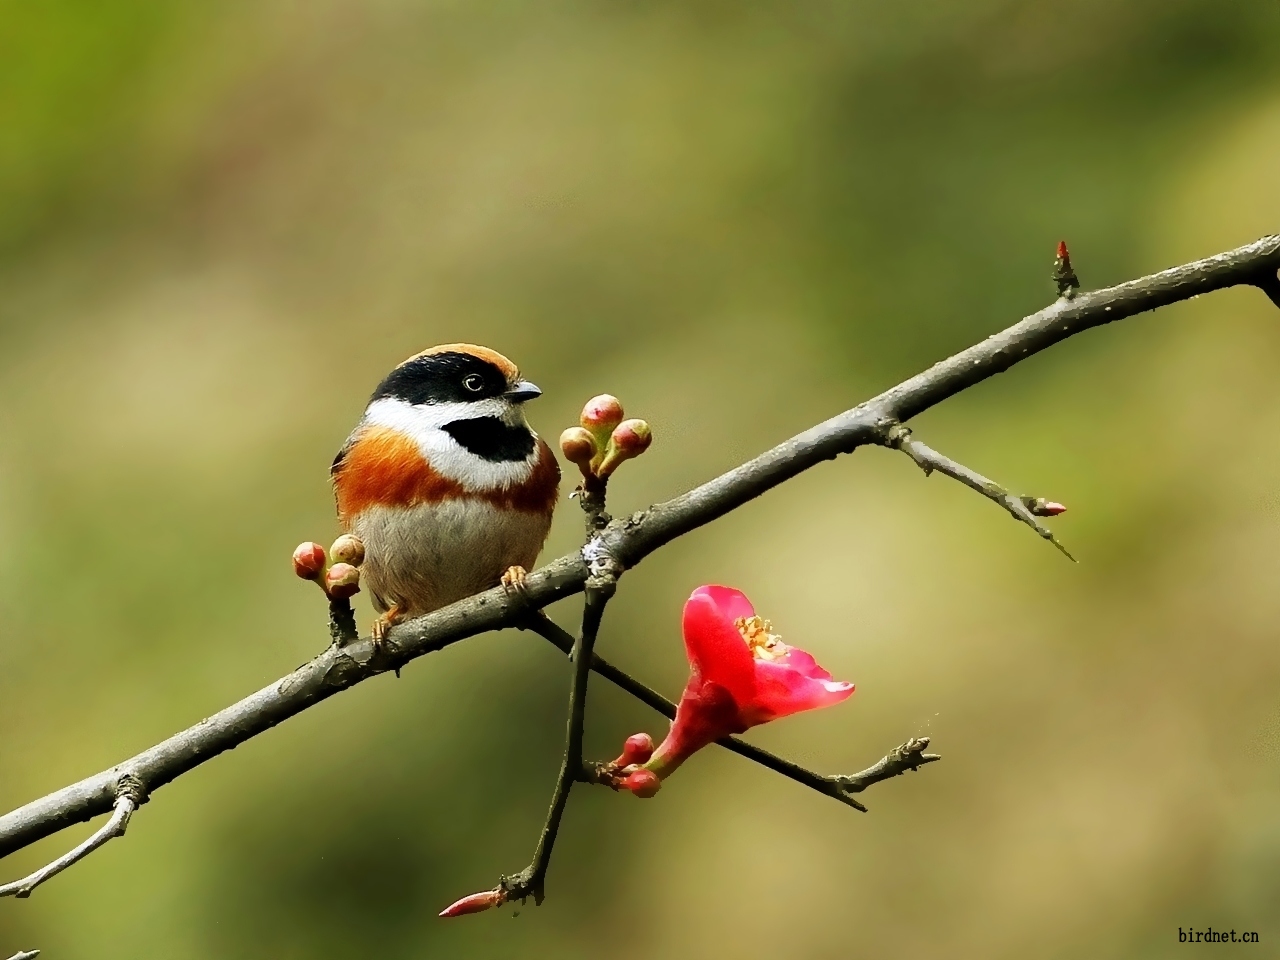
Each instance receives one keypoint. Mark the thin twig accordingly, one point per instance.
(909, 756)
(531, 881)
(835, 786)
(631, 539)
(929, 460)
(129, 795)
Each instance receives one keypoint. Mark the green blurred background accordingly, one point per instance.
(220, 224)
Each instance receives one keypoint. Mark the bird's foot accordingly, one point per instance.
(513, 580)
(383, 623)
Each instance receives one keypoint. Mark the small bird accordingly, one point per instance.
(445, 483)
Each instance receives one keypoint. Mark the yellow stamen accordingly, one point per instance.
(758, 634)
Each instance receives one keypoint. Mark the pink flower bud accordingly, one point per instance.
(643, 783)
(578, 446)
(637, 749)
(1041, 507)
(342, 581)
(348, 549)
(476, 903)
(629, 439)
(601, 414)
(308, 561)
(632, 437)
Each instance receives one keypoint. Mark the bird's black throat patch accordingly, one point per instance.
(491, 439)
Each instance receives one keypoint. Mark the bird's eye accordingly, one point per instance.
(473, 382)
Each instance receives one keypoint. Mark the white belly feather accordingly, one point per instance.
(443, 551)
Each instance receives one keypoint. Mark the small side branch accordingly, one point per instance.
(531, 881)
(130, 794)
(1023, 509)
(909, 756)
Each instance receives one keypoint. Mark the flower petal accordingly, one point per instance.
(803, 663)
(782, 690)
(714, 646)
(730, 602)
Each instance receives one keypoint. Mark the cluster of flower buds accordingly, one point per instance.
(604, 440)
(337, 574)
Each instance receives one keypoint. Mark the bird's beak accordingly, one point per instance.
(521, 391)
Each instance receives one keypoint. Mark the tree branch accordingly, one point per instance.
(25, 955)
(629, 540)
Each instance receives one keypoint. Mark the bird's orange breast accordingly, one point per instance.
(383, 467)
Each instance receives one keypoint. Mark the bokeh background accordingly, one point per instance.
(220, 224)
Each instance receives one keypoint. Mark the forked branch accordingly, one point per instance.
(130, 794)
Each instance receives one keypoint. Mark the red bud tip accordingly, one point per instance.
(637, 749)
(476, 903)
(1062, 250)
(643, 783)
(629, 439)
(632, 436)
(342, 581)
(348, 549)
(1041, 507)
(577, 445)
(308, 561)
(602, 413)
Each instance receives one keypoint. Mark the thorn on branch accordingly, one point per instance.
(1063, 274)
(131, 793)
(1024, 509)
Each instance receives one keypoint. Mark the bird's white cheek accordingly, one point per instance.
(448, 458)
(408, 417)
(423, 424)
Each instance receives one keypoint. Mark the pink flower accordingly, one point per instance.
(742, 674)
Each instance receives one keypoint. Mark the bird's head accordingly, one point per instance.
(458, 381)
